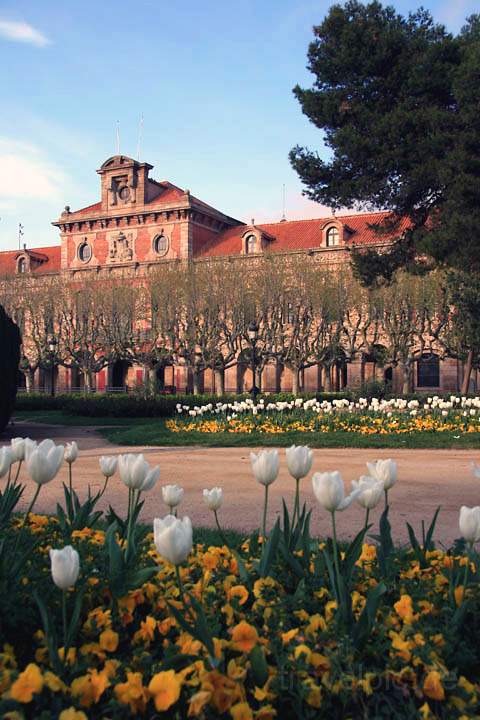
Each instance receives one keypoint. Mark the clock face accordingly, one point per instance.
(124, 193)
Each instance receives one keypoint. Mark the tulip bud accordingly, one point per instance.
(71, 452)
(385, 471)
(44, 461)
(65, 566)
(213, 498)
(172, 495)
(299, 461)
(329, 490)
(469, 522)
(108, 465)
(173, 538)
(370, 491)
(6, 459)
(265, 466)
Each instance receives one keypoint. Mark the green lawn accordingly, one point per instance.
(152, 431)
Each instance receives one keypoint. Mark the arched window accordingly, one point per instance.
(22, 265)
(250, 244)
(160, 244)
(428, 371)
(333, 237)
(84, 252)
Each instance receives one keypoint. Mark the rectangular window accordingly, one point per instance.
(428, 372)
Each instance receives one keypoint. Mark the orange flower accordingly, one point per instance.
(241, 711)
(109, 640)
(244, 637)
(240, 592)
(29, 682)
(165, 689)
(432, 686)
(90, 687)
(132, 693)
(404, 609)
(72, 714)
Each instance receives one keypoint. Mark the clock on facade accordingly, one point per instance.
(124, 193)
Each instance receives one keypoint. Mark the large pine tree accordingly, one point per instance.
(398, 102)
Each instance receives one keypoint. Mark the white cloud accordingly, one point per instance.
(27, 173)
(22, 32)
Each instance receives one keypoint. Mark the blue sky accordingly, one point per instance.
(213, 80)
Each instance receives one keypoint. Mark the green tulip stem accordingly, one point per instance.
(465, 576)
(264, 524)
(64, 618)
(9, 477)
(335, 555)
(296, 506)
(17, 473)
(30, 507)
(220, 531)
(70, 477)
(172, 509)
(367, 515)
(104, 487)
(386, 498)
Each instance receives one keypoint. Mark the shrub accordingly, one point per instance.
(9, 361)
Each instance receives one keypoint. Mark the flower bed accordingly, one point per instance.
(376, 417)
(148, 624)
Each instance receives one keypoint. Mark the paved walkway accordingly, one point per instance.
(427, 478)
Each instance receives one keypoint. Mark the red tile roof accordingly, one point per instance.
(302, 234)
(8, 260)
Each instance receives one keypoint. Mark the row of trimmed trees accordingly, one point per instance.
(197, 315)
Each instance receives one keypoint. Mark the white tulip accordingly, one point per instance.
(370, 491)
(173, 538)
(17, 446)
(384, 471)
(172, 495)
(329, 490)
(265, 466)
(213, 498)
(151, 479)
(65, 565)
(71, 452)
(136, 473)
(6, 459)
(44, 461)
(469, 522)
(108, 465)
(299, 461)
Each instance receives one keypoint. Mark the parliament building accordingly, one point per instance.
(139, 221)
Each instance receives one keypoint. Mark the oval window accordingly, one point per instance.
(160, 245)
(84, 252)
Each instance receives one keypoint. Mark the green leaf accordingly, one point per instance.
(269, 551)
(258, 666)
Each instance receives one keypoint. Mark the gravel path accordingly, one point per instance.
(427, 478)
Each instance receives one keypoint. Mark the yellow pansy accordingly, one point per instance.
(165, 689)
(132, 693)
(29, 682)
(244, 637)
(432, 686)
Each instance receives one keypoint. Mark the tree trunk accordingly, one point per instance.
(29, 380)
(220, 382)
(362, 371)
(467, 373)
(406, 384)
(87, 381)
(328, 378)
(258, 380)
(295, 374)
(197, 376)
